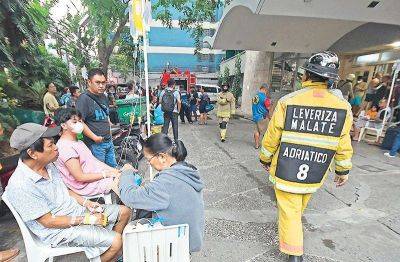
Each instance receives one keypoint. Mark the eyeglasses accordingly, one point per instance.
(151, 158)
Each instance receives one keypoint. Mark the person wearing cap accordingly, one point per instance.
(225, 109)
(309, 129)
(51, 212)
(346, 86)
(261, 105)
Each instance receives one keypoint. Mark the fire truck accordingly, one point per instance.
(185, 79)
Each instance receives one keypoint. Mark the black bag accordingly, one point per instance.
(390, 136)
(105, 109)
(168, 101)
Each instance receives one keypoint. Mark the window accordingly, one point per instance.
(390, 56)
(203, 57)
(367, 59)
(211, 57)
(209, 32)
(210, 89)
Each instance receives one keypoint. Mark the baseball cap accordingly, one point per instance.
(26, 134)
(265, 85)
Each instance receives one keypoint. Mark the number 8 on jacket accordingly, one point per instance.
(303, 170)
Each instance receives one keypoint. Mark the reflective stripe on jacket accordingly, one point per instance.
(309, 130)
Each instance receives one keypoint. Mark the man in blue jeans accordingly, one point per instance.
(171, 115)
(94, 108)
(395, 147)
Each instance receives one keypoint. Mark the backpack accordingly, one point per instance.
(168, 101)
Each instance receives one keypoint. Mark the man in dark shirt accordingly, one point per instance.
(193, 102)
(185, 108)
(93, 105)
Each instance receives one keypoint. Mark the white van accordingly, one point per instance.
(211, 90)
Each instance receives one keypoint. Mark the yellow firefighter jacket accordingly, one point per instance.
(309, 129)
(226, 105)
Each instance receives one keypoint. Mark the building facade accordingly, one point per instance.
(281, 34)
(174, 48)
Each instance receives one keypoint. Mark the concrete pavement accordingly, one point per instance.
(359, 222)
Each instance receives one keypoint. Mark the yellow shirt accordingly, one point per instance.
(50, 101)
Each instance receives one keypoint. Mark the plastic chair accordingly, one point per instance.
(36, 251)
(156, 243)
(378, 131)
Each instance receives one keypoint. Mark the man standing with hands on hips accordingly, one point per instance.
(93, 106)
(261, 105)
(308, 131)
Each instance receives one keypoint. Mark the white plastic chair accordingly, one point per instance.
(156, 244)
(36, 251)
(107, 198)
(378, 131)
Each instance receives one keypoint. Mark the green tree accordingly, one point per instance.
(94, 29)
(23, 56)
(123, 61)
(223, 78)
(22, 26)
(194, 14)
(107, 18)
(237, 78)
(75, 39)
(7, 120)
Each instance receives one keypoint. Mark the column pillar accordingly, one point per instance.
(257, 70)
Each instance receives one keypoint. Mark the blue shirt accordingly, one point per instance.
(158, 115)
(64, 98)
(184, 97)
(259, 109)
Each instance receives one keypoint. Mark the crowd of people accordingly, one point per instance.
(171, 102)
(57, 175)
(370, 104)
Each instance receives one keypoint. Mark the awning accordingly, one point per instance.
(306, 26)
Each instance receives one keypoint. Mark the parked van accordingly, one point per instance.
(211, 90)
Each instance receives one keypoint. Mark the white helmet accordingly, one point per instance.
(324, 64)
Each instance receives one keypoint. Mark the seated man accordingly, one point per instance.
(54, 214)
(81, 171)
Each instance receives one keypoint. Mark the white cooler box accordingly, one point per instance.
(158, 243)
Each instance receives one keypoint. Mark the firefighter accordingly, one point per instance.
(309, 130)
(226, 108)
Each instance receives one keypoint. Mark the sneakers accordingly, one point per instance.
(388, 155)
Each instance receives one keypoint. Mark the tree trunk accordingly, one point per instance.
(105, 51)
(102, 53)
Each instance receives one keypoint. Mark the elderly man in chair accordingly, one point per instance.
(54, 214)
